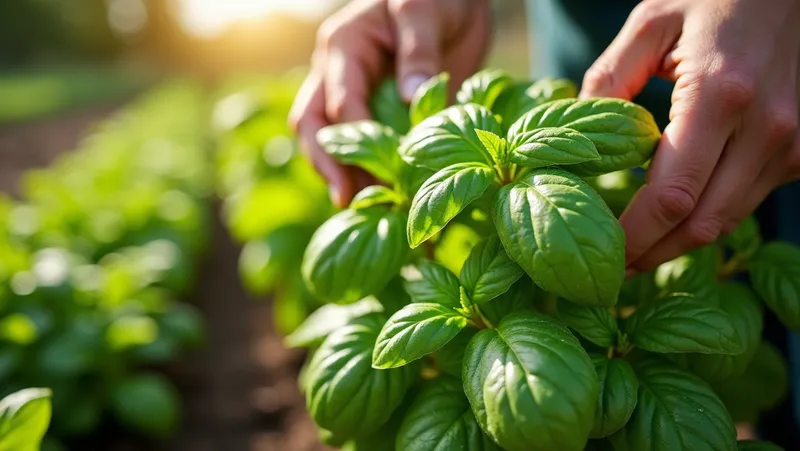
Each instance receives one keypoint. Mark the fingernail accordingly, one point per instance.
(336, 198)
(410, 85)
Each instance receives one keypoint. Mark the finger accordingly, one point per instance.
(347, 86)
(683, 163)
(308, 117)
(419, 40)
(467, 50)
(636, 54)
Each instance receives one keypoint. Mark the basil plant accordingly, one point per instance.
(477, 293)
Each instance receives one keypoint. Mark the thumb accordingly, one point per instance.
(635, 55)
(418, 43)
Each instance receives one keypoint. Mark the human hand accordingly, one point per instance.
(733, 131)
(365, 42)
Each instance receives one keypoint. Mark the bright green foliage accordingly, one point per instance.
(344, 393)
(474, 331)
(617, 395)
(388, 107)
(414, 332)
(376, 249)
(531, 385)
(674, 410)
(550, 220)
(24, 418)
(679, 323)
(148, 403)
(453, 427)
(775, 272)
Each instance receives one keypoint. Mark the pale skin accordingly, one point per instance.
(733, 134)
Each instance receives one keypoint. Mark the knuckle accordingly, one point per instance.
(598, 76)
(702, 231)
(782, 123)
(732, 85)
(331, 33)
(675, 203)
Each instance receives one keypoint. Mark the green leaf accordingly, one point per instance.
(384, 438)
(393, 296)
(147, 403)
(441, 419)
(366, 144)
(747, 317)
(550, 146)
(443, 196)
(549, 89)
(679, 323)
(414, 332)
(625, 134)
(430, 98)
(344, 393)
(326, 319)
(388, 108)
(638, 290)
(450, 357)
(674, 410)
(775, 274)
(375, 195)
(745, 238)
(519, 297)
(595, 324)
(531, 385)
(763, 385)
(355, 254)
(563, 235)
(617, 397)
(754, 445)
(437, 285)
(266, 262)
(24, 418)
(694, 273)
(513, 102)
(449, 137)
(483, 87)
(488, 272)
(495, 145)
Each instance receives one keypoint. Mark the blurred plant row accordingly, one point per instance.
(92, 259)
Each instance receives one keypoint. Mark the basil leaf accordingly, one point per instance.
(414, 332)
(430, 98)
(549, 89)
(344, 393)
(375, 195)
(745, 238)
(443, 196)
(519, 297)
(747, 317)
(563, 235)
(326, 319)
(531, 385)
(355, 254)
(24, 418)
(674, 410)
(483, 87)
(617, 396)
(595, 324)
(383, 439)
(450, 357)
(625, 134)
(495, 145)
(449, 137)
(393, 296)
(437, 285)
(513, 102)
(549, 146)
(763, 385)
(366, 144)
(440, 419)
(694, 273)
(638, 290)
(775, 274)
(754, 445)
(488, 272)
(388, 108)
(679, 323)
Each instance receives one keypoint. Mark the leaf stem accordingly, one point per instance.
(480, 319)
(735, 264)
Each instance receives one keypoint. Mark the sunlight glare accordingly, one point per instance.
(210, 18)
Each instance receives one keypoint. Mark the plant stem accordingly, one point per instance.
(732, 266)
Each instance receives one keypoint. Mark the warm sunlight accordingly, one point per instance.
(209, 18)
